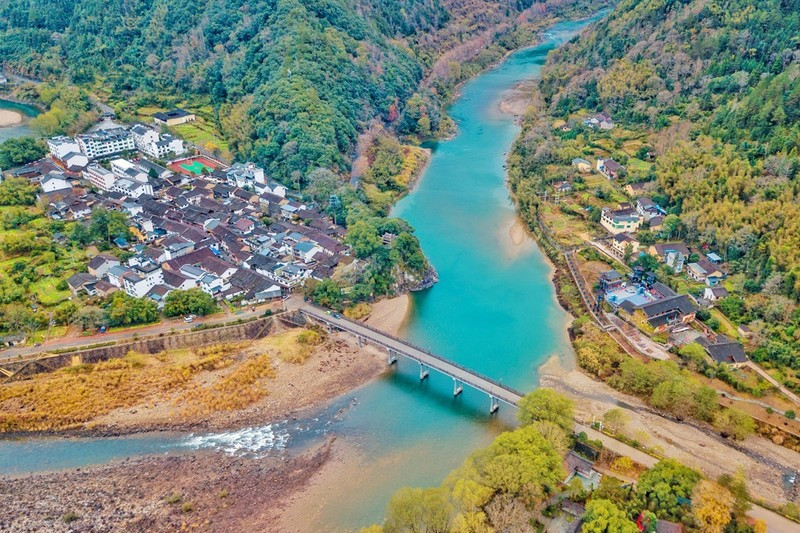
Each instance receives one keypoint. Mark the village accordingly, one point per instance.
(661, 293)
(193, 220)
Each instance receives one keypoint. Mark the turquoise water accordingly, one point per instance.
(494, 310)
(22, 130)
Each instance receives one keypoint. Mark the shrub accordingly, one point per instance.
(70, 517)
(187, 507)
(309, 338)
(173, 498)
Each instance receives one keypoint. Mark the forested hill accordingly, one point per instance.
(718, 82)
(293, 81)
(705, 100)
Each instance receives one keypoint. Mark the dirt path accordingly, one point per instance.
(763, 462)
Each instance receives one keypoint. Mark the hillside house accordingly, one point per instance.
(100, 264)
(621, 243)
(610, 168)
(620, 220)
(724, 350)
(174, 117)
(634, 190)
(562, 187)
(600, 121)
(712, 294)
(647, 208)
(661, 250)
(705, 271)
(582, 165)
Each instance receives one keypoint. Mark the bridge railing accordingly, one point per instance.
(323, 313)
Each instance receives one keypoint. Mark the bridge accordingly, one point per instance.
(427, 361)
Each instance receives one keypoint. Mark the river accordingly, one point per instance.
(494, 310)
(19, 130)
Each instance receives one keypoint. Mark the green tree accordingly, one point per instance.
(406, 251)
(19, 151)
(734, 422)
(105, 225)
(666, 489)
(521, 463)
(602, 516)
(616, 419)
(546, 405)
(328, 293)
(17, 191)
(364, 239)
(189, 302)
(124, 310)
(90, 318)
(419, 510)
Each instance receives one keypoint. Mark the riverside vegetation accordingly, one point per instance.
(516, 484)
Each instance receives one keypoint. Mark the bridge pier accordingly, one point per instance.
(457, 388)
(392, 358)
(423, 372)
(494, 404)
(360, 341)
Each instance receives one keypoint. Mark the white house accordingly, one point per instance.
(99, 177)
(61, 146)
(155, 144)
(712, 294)
(75, 161)
(122, 168)
(174, 117)
(273, 187)
(609, 168)
(246, 175)
(131, 188)
(305, 251)
(99, 265)
(55, 181)
(141, 278)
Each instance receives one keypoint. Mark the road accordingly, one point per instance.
(775, 522)
(461, 374)
(129, 334)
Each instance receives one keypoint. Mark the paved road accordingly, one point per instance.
(401, 347)
(155, 329)
(775, 522)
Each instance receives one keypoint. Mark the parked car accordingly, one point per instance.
(102, 329)
(189, 318)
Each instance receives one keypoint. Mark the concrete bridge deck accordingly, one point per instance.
(426, 359)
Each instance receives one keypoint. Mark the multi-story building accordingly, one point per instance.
(246, 175)
(620, 220)
(103, 143)
(62, 146)
(141, 278)
(99, 177)
(122, 168)
(155, 144)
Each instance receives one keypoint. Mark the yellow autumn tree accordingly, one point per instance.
(712, 505)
